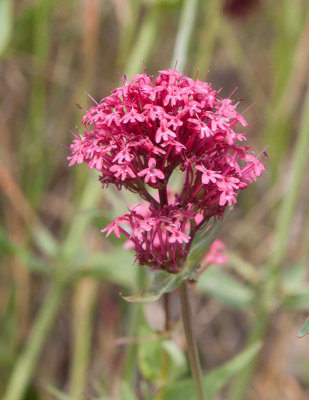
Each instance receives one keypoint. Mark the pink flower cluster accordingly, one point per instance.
(146, 130)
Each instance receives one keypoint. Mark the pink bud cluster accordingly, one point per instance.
(143, 132)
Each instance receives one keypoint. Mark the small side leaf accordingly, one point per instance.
(304, 330)
(163, 282)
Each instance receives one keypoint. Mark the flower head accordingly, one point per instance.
(145, 130)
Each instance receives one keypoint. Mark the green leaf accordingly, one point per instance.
(299, 299)
(179, 364)
(163, 282)
(215, 282)
(216, 379)
(113, 266)
(150, 356)
(202, 242)
(304, 330)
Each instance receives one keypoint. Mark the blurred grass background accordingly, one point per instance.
(64, 331)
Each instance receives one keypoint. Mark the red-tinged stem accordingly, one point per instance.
(191, 342)
(163, 196)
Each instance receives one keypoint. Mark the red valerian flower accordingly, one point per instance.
(147, 129)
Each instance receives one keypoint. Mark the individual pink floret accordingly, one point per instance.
(112, 227)
(177, 235)
(207, 175)
(122, 171)
(151, 173)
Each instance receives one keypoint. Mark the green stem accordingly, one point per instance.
(186, 25)
(135, 319)
(85, 297)
(208, 35)
(191, 343)
(288, 206)
(144, 43)
(26, 363)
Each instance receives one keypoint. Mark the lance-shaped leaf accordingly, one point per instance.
(304, 330)
(163, 282)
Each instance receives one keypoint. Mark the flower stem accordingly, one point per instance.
(191, 343)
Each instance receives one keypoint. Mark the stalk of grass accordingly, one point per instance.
(144, 42)
(208, 35)
(128, 23)
(290, 77)
(240, 60)
(286, 213)
(34, 157)
(185, 29)
(271, 286)
(85, 295)
(6, 24)
(26, 362)
(21, 275)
